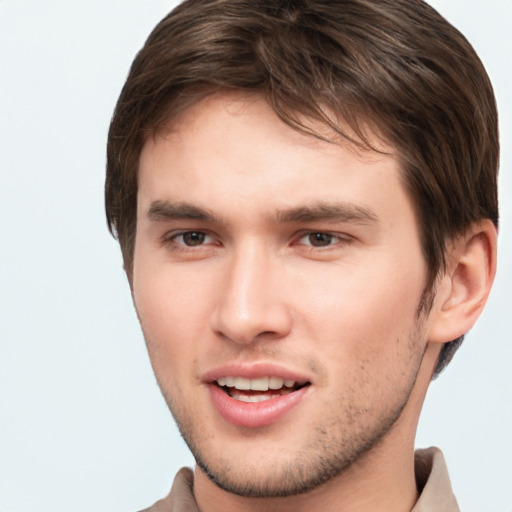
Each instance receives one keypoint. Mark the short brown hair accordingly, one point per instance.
(396, 66)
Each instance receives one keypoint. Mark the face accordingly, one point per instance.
(277, 279)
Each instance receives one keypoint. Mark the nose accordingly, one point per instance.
(250, 304)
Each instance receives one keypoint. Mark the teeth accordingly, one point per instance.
(259, 384)
(230, 382)
(275, 383)
(253, 398)
(242, 383)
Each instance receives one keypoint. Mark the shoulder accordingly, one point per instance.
(181, 496)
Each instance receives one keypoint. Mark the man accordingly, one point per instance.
(305, 197)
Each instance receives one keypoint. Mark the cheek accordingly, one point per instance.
(167, 296)
(171, 312)
(363, 315)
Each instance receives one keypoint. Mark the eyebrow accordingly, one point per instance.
(328, 212)
(170, 210)
(163, 210)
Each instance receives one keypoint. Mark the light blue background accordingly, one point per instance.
(82, 423)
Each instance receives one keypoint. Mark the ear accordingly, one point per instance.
(463, 289)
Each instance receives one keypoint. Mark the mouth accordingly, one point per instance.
(258, 389)
(257, 395)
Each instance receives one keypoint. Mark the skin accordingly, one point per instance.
(251, 283)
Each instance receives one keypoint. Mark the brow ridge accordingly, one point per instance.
(331, 212)
(162, 210)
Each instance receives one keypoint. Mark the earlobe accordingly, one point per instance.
(463, 290)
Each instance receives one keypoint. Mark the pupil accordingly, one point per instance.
(193, 238)
(320, 239)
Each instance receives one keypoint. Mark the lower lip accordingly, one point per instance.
(254, 414)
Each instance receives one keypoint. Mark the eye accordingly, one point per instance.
(192, 238)
(320, 239)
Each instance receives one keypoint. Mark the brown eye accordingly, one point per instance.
(191, 238)
(320, 239)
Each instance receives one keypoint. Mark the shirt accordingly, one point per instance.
(432, 479)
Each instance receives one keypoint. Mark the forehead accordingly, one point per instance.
(363, 137)
(233, 150)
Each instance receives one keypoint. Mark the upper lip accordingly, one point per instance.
(255, 371)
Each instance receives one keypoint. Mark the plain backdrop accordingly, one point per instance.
(82, 424)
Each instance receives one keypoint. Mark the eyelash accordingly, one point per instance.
(170, 240)
(336, 239)
(332, 240)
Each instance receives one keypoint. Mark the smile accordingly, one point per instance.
(256, 401)
(256, 390)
